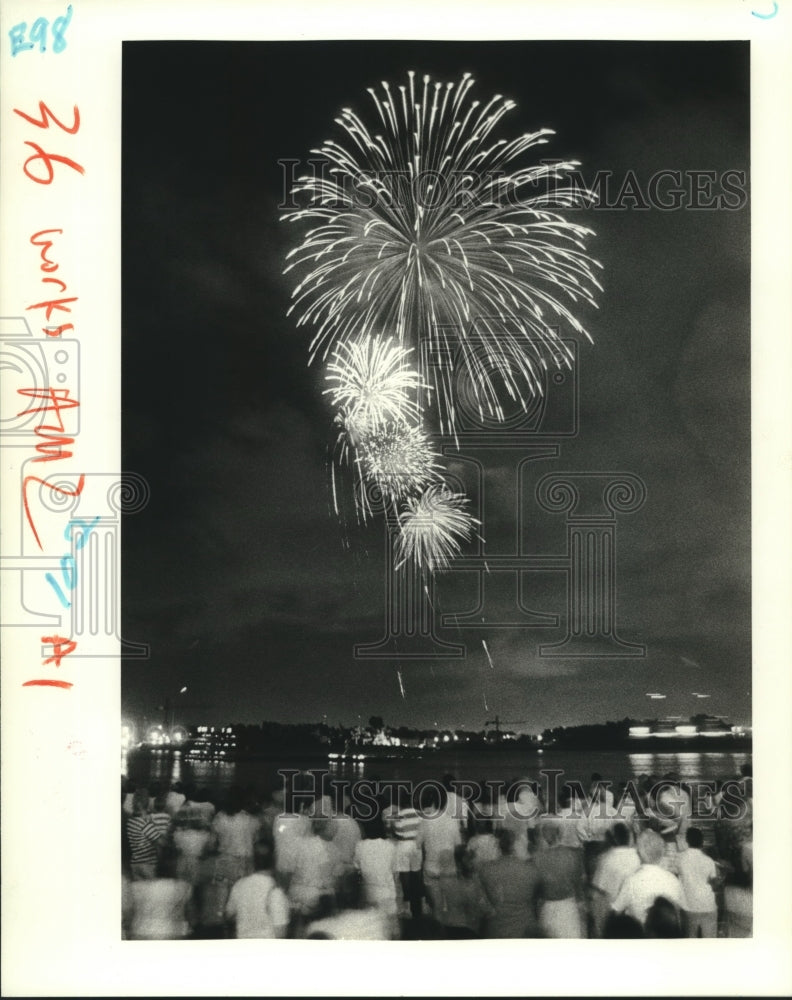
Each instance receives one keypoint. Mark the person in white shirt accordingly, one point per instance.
(351, 925)
(670, 816)
(403, 823)
(175, 799)
(643, 887)
(483, 845)
(600, 790)
(698, 875)
(346, 837)
(314, 878)
(288, 829)
(521, 816)
(618, 862)
(129, 797)
(160, 908)
(456, 806)
(191, 840)
(377, 861)
(602, 814)
(257, 905)
(199, 802)
(236, 832)
(438, 836)
(571, 819)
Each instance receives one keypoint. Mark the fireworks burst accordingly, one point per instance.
(426, 226)
(375, 389)
(399, 459)
(370, 380)
(433, 527)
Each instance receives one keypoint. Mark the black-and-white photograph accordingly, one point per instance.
(436, 364)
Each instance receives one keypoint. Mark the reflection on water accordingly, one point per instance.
(689, 766)
(210, 772)
(176, 773)
(217, 776)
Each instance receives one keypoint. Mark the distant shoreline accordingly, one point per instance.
(646, 744)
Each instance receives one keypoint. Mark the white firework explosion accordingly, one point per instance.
(432, 528)
(470, 257)
(399, 459)
(370, 379)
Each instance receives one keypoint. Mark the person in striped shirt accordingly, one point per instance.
(142, 836)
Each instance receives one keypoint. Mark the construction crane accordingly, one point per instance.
(497, 722)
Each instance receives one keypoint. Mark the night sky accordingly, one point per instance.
(237, 573)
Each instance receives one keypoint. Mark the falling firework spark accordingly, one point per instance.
(468, 237)
(401, 683)
(690, 663)
(371, 381)
(486, 650)
(433, 526)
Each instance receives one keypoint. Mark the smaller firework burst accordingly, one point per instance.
(399, 459)
(433, 526)
(371, 381)
(348, 437)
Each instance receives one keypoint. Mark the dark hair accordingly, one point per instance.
(505, 839)
(430, 795)
(374, 828)
(550, 831)
(662, 920)
(482, 825)
(694, 837)
(619, 833)
(405, 797)
(234, 802)
(263, 859)
(250, 800)
(166, 863)
(321, 826)
(464, 861)
(621, 925)
(140, 801)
